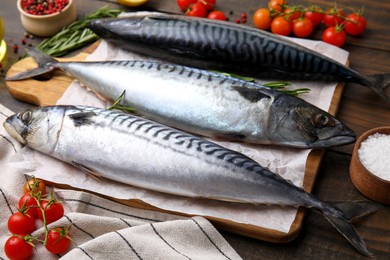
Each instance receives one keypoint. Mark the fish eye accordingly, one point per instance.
(25, 116)
(321, 120)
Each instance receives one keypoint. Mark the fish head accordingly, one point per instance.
(304, 125)
(108, 27)
(37, 128)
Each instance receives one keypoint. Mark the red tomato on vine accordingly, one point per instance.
(53, 211)
(30, 204)
(216, 15)
(291, 14)
(18, 248)
(281, 26)
(355, 24)
(334, 36)
(262, 19)
(21, 223)
(207, 4)
(34, 186)
(196, 10)
(184, 4)
(58, 240)
(315, 14)
(334, 17)
(302, 27)
(277, 5)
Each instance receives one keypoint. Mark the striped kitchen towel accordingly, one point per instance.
(103, 229)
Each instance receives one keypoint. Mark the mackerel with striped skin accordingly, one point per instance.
(146, 154)
(205, 103)
(228, 47)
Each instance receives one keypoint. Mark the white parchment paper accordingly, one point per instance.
(288, 162)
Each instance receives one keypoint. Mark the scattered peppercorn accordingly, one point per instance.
(238, 20)
(23, 41)
(243, 17)
(15, 48)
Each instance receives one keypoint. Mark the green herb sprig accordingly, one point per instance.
(116, 104)
(75, 35)
(281, 85)
(275, 85)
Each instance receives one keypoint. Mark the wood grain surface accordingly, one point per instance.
(359, 108)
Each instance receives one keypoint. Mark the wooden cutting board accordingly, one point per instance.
(47, 92)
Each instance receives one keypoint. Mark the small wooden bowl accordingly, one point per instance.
(366, 182)
(50, 24)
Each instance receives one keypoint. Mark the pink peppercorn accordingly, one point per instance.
(43, 7)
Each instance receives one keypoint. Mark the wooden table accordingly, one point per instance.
(360, 109)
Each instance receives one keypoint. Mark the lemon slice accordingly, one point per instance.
(132, 3)
(1, 29)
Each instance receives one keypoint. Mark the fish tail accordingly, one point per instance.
(340, 217)
(381, 84)
(45, 64)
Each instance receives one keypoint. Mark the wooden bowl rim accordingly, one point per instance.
(363, 137)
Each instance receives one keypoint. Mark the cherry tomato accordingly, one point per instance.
(196, 10)
(334, 36)
(17, 248)
(30, 203)
(315, 15)
(207, 4)
(277, 5)
(262, 18)
(216, 15)
(355, 24)
(21, 223)
(53, 211)
(35, 186)
(281, 26)
(334, 17)
(291, 14)
(58, 241)
(302, 27)
(184, 4)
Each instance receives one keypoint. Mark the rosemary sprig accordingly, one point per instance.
(116, 104)
(281, 85)
(75, 35)
(275, 85)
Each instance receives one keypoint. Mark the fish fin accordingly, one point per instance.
(229, 136)
(88, 171)
(357, 209)
(45, 64)
(162, 16)
(253, 95)
(381, 84)
(82, 118)
(345, 228)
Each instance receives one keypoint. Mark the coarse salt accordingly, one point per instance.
(374, 154)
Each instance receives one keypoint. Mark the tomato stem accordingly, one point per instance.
(38, 199)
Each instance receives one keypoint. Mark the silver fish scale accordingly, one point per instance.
(145, 154)
(157, 155)
(166, 89)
